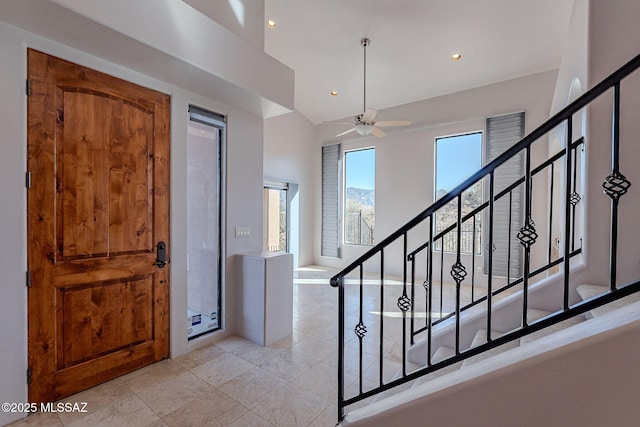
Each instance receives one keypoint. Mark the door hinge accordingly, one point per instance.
(29, 373)
(28, 87)
(28, 179)
(28, 279)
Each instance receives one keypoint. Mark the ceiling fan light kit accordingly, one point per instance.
(364, 123)
(364, 129)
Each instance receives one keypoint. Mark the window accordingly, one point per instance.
(205, 141)
(275, 217)
(456, 159)
(359, 185)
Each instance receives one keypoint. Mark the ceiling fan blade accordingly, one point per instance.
(393, 123)
(369, 115)
(338, 123)
(377, 132)
(345, 132)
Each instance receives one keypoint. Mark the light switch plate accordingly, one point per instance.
(243, 231)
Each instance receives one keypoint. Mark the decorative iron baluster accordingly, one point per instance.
(490, 252)
(615, 186)
(527, 237)
(381, 361)
(458, 272)
(574, 199)
(441, 279)
(509, 234)
(413, 298)
(550, 227)
(527, 234)
(404, 304)
(340, 283)
(430, 289)
(567, 209)
(473, 260)
(360, 330)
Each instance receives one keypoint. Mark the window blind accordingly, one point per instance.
(206, 117)
(502, 133)
(330, 239)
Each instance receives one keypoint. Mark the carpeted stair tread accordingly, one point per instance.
(534, 314)
(481, 338)
(551, 329)
(587, 292)
(410, 368)
(442, 353)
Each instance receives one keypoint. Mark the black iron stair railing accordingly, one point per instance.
(547, 165)
(364, 325)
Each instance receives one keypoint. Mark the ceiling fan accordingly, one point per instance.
(365, 123)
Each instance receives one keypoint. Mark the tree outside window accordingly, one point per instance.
(456, 159)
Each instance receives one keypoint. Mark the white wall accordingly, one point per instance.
(614, 39)
(168, 40)
(289, 153)
(602, 37)
(574, 60)
(13, 255)
(572, 81)
(244, 156)
(244, 18)
(405, 158)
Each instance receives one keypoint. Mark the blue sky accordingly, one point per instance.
(457, 158)
(360, 169)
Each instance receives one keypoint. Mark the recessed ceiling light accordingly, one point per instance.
(271, 23)
(456, 56)
(334, 93)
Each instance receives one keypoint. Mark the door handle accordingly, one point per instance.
(161, 255)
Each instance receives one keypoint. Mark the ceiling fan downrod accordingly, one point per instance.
(365, 42)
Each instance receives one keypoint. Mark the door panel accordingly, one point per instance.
(106, 167)
(103, 317)
(98, 152)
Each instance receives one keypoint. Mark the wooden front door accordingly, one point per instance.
(98, 205)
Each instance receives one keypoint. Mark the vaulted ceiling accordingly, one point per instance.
(412, 41)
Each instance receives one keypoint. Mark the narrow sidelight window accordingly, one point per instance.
(360, 200)
(457, 158)
(206, 132)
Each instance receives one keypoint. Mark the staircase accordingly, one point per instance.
(583, 375)
(396, 335)
(586, 292)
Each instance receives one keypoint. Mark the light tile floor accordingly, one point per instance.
(235, 382)
(231, 383)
